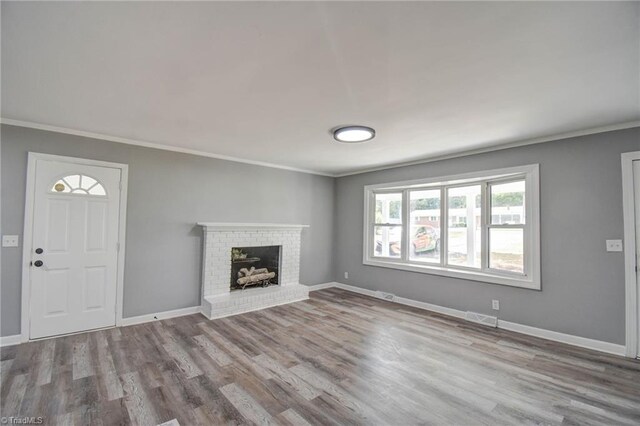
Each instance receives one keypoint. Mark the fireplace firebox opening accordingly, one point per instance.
(255, 267)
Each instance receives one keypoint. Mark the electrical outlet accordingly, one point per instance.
(495, 305)
(9, 241)
(614, 245)
(346, 275)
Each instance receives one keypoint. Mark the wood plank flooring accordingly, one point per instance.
(338, 358)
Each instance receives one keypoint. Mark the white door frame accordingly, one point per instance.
(631, 282)
(27, 238)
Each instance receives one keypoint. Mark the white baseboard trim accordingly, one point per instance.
(10, 340)
(354, 289)
(404, 301)
(322, 286)
(569, 339)
(159, 316)
(583, 342)
(431, 307)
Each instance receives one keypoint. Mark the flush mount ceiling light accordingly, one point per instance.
(354, 134)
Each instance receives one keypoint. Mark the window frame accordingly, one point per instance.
(389, 224)
(407, 234)
(530, 279)
(488, 225)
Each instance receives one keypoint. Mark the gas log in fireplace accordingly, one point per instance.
(254, 266)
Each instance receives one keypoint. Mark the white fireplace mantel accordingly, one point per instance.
(230, 226)
(220, 238)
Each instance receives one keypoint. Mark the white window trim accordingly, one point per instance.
(532, 279)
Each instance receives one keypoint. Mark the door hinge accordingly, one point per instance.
(118, 246)
(120, 185)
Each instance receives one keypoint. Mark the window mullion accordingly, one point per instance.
(527, 228)
(442, 227)
(444, 223)
(485, 209)
(371, 219)
(404, 253)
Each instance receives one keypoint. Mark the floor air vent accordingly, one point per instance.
(385, 296)
(481, 319)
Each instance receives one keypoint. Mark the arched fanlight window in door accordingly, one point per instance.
(79, 185)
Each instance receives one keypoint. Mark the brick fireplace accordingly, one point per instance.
(222, 242)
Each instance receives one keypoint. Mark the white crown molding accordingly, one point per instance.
(583, 342)
(154, 145)
(456, 154)
(464, 153)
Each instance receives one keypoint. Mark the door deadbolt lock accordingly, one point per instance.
(39, 250)
(38, 263)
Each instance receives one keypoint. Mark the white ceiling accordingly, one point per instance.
(267, 81)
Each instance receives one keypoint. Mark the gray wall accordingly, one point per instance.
(168, 194)
(581, 198)
(581, 206)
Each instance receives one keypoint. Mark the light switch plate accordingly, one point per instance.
(9, 241)
(614, 245)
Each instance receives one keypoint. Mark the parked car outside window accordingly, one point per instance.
(425, 239)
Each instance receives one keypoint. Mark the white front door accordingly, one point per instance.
(636, 189)
(74, 251)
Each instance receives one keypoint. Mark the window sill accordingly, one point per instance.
(524, 282)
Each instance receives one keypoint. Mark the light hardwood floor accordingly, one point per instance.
(339, 358)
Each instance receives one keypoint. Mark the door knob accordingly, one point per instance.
(39, 250)
(38, 263)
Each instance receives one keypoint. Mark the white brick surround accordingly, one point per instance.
(219, 238)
